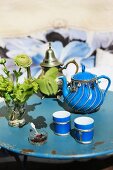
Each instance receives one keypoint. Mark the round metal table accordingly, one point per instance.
(40, 112)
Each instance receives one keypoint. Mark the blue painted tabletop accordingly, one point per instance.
(58, 147)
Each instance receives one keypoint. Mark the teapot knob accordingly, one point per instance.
(83, 68)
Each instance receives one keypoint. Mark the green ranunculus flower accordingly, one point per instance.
(23, 61)
(2, 61)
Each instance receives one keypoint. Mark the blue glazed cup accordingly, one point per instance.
(62, 124)
(84, 129)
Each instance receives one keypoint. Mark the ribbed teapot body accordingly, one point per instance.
(85, 97)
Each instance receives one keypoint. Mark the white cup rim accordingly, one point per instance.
(61, 114)
(84, 120)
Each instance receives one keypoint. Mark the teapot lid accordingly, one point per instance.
(82, 76)
(50, 60)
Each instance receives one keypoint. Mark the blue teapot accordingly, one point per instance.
(83, 94)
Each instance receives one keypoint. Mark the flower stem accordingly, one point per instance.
(28, 72)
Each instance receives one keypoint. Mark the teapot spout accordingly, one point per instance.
(65, 89)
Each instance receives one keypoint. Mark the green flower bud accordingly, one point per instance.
(2, 61)
(23, 61)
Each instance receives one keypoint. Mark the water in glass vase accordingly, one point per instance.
(16, 115)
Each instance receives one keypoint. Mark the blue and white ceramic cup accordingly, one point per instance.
(62, 123)
(84, 129)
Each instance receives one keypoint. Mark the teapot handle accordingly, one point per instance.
(72, 61)
(109, 82)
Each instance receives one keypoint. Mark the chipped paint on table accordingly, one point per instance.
(58, 147)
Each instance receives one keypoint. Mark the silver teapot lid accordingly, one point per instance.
(50, 60)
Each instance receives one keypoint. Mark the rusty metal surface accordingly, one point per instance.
(60, 147)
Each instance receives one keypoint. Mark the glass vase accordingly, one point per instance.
(16, 112)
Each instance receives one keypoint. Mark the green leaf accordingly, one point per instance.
(7, 97)
(6, 71)
(43, 86)
(48, 86)
(17, 74)
(47, 83)
(35, 86)
(52, 72)
(53, 85)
